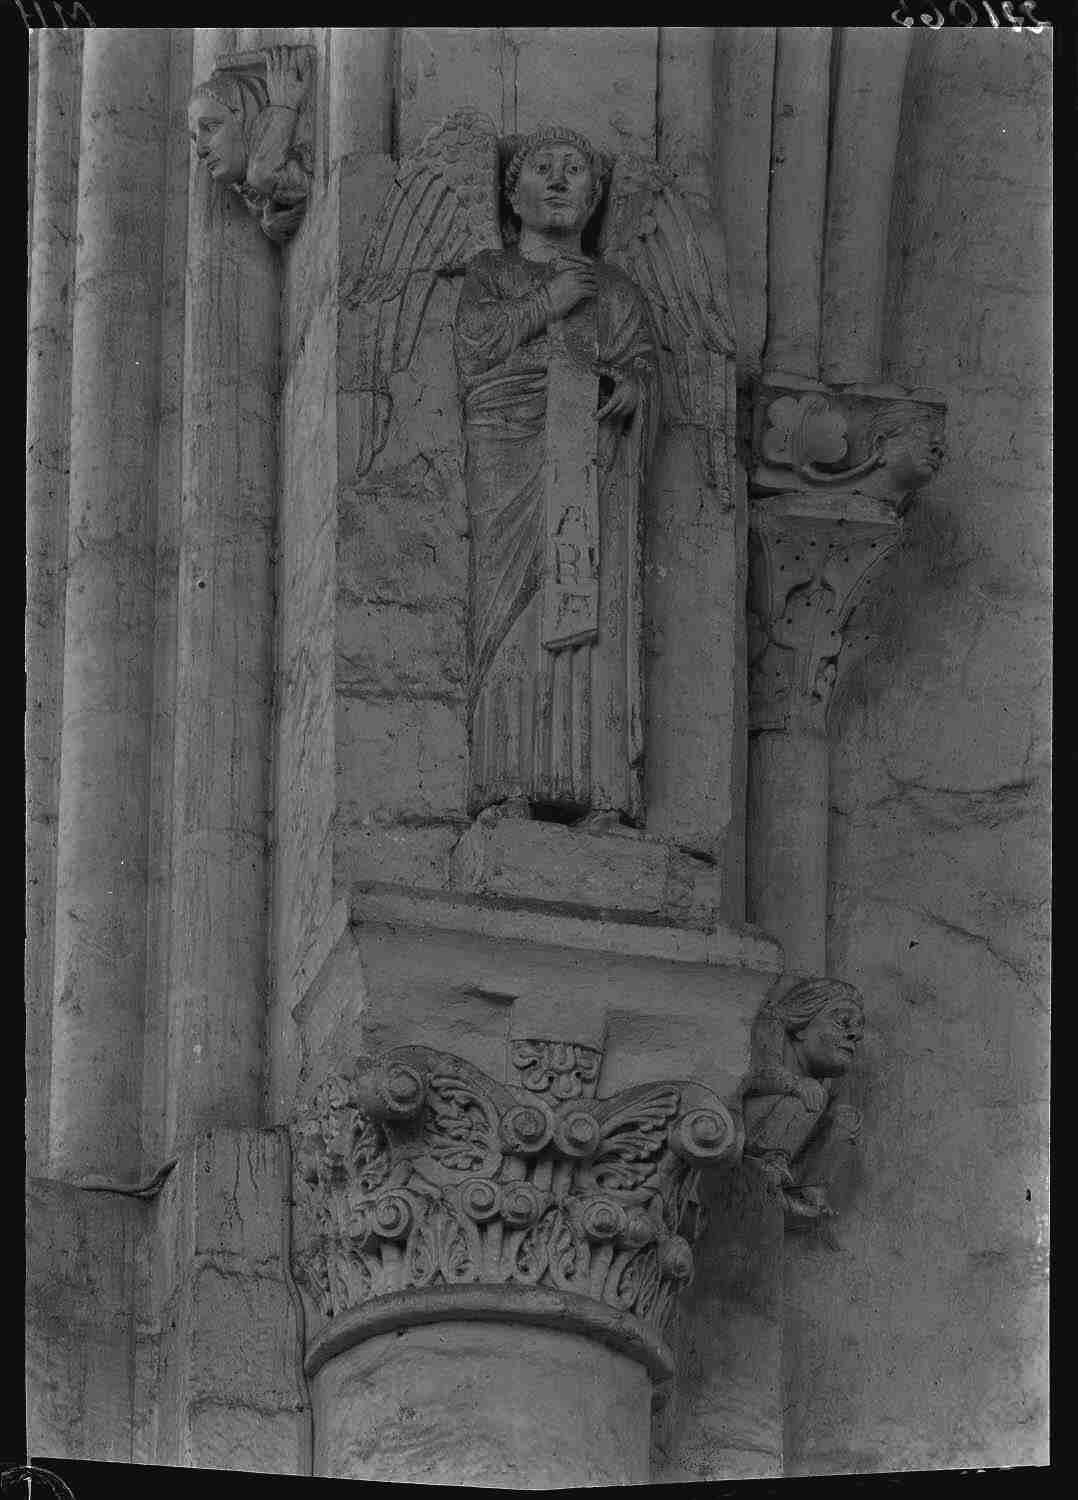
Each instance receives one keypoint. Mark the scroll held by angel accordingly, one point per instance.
(586, 304)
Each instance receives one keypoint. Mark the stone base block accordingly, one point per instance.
(621, 871)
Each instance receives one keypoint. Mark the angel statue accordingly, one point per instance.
(802, 1041)
(592, 305)
(249, 125)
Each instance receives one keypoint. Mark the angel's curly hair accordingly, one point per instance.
(789, 1014)
(522, 146)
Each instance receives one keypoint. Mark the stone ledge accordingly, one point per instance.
(519, 921)
(624, 872)
(569, 1312)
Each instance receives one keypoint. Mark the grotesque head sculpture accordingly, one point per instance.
(554, 180)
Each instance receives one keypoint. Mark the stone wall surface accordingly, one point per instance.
(921, 1341)
(84, 1256)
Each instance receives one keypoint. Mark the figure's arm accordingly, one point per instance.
(287, 79)
(769, 1080)
(490, 324)
(629, 350)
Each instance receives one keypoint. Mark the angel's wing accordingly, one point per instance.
(672, 247)
(440, 211)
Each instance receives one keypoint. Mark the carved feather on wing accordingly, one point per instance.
(441, 209)
(672, 247)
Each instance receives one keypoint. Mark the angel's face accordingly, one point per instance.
(555, 188)
(218, 139)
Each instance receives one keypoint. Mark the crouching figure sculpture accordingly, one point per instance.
(803, 1041)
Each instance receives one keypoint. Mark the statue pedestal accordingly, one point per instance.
(622, 872)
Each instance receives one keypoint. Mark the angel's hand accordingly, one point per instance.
(623, 400)
(287, 76)
(569, 287)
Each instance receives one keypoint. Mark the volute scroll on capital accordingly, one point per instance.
(417, 1173)
(251, 124)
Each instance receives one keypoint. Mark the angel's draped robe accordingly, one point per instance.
(561, 727)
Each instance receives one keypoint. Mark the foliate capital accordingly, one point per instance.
(418, 1174)
(832, 473)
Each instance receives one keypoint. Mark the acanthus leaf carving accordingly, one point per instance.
(493, 1184)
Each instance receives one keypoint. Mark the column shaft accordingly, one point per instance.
(868, 104)
(743, 70)
(52, 259)
(360, 83)
(798, 191)
(100, 955)
(485, 1404)
(788, 826)
(218, 966)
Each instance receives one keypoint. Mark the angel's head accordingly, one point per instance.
(554, 180)
(220, 119)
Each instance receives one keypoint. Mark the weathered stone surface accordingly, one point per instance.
(218, 938)
(313, 692)
(724, 1417)
(602, 82)
(56, 74)
(81, 1256)
(744, 71)
(226, 1308)
(923, 1344)
(797, 198)
(441, 1404)
(566, 867)
(103, 794)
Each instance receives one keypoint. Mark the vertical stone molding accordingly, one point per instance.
(798, 192)
(429, 1196)
(224, 682)
(227, 1376)
(52, 260)
(864, 136)
(832, 475)
(360, 84)
(744, 76)
(100, 954)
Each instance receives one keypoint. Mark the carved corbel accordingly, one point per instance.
(798, 1132)
(424, 1186)
(832, 475)
(251, 123)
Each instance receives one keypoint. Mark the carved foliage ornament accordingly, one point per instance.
(832, 475)
(420, 1171)
(250, 124)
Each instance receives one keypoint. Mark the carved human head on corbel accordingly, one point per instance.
(554, 179)
(814, 1029)
(907, 446)
(220, 117)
